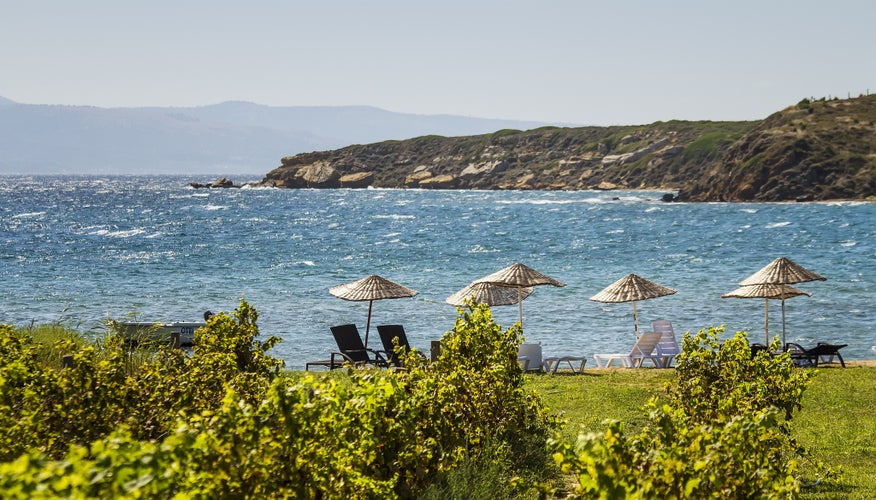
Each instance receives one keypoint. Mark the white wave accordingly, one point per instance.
(28, 215)
(848, 243)
(308, 263)
(597, 201)
(480, 249)
(124, 234)
(846, 203)
(749, 210)
(145, 256)
(115, 234)
(216, 207)
(156, 235)
(778, 224)
(616, 231)
(395, 216)
(390, 235)
(653, 209)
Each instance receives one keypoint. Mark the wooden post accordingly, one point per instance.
(434, 350)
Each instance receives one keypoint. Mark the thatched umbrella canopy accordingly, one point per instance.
(520, 277)
(371, 288)
(783, 272)
(488, 293)
(767, 292)
(631, 288)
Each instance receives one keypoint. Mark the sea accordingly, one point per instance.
(82, 250)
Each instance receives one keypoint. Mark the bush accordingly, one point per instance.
(225, 423)
(724, 431)
(474, 400)
(49, 408)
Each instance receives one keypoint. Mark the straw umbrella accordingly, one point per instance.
(371, 288)
(631, 288)
(767, 292)
(488, 293)
(520, 277)
(782, 271)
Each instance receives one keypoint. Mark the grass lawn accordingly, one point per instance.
(837, 423)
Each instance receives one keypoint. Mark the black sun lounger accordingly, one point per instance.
(821, 353)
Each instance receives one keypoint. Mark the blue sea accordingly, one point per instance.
(81, 250)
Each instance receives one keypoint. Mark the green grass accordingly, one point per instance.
(587, 400)
(837, 423)
(46, 336)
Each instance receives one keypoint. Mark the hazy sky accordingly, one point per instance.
(576, 61)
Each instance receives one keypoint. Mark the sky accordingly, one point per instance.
(611, 62)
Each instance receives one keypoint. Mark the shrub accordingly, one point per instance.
(724, 431)
(49, 408)
(474, 400)
(224, 423)
(719, 380)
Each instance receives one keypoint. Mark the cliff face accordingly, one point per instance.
(818, 150)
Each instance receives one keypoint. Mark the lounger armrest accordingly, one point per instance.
(378, 359)
(791, 346)
(339, 359)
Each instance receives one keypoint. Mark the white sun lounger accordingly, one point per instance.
(667, 348)
(552, 363)
(640, 352)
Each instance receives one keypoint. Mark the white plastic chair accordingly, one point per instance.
(640, 352)
(529, 356)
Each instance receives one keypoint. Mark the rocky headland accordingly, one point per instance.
(814, 150)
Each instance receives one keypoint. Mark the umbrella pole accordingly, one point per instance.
(368, 323)
(635, 320)
(766, 321)
(783, 315)
(783, 321)
(520, 306)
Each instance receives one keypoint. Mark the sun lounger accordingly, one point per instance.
(388, 333)
(351, 350)
(552, 363)
(641, 351)
(757, 348)
(667, 348)
(821, 353)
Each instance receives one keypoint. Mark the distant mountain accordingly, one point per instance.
(230, 137)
